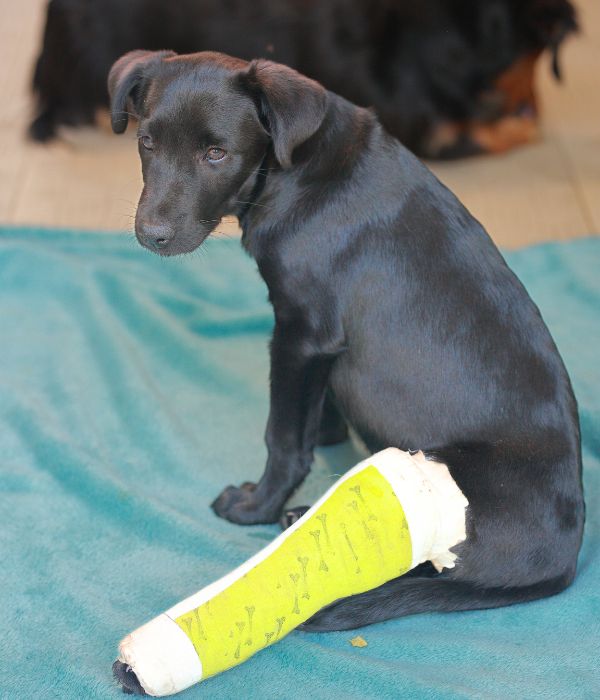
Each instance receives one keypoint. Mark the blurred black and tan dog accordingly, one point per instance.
(449, 78)
(394, 313)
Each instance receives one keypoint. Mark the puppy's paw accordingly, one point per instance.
(243, 506)
(128, 680)
(291, 515)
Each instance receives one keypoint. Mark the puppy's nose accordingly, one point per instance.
(155, 235)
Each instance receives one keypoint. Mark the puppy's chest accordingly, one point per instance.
(295, 280)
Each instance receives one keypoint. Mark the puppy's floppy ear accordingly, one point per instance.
(291, 106)
(126, 84)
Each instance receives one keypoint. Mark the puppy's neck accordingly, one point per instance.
(255, 186)
(281, 200)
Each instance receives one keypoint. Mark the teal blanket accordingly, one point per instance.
(132, 390)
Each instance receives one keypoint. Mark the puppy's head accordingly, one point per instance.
(205, 124)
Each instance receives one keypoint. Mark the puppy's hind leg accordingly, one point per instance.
(414, 593)
(332, 428)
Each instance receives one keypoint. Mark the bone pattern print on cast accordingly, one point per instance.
(386, 515)
(333, 551)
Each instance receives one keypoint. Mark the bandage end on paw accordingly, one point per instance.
(385, 516)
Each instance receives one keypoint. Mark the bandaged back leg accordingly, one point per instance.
(386, 515)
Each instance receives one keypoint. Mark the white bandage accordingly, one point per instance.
(163, 656)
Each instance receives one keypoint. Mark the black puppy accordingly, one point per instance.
(394, 313)
(447, 77)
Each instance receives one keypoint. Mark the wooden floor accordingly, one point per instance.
(91, 179)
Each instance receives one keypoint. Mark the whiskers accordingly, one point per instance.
(132, 238)
(253, 204)
(129, 218)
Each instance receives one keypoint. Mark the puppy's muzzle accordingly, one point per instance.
(156, 237)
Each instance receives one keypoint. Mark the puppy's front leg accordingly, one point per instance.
(299, 374)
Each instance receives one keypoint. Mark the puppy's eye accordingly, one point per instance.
(215, 154)
(147, 142)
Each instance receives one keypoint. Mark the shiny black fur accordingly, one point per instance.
(420, 64)
(394, 313)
